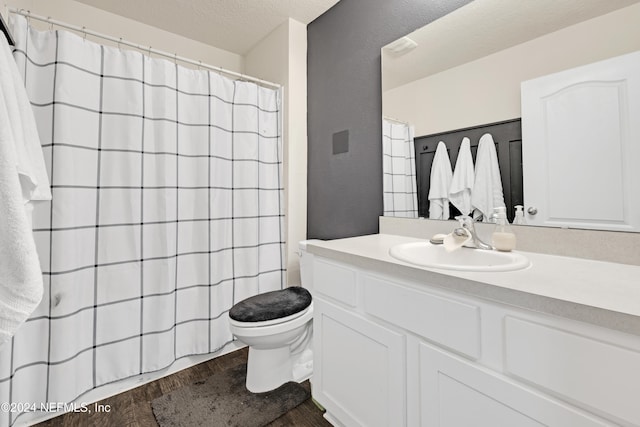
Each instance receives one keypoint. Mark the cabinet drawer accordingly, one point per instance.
(460, 393)
(335, 281)
(445, 321)
(598, 375)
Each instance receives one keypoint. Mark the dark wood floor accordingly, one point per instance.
(133, 408)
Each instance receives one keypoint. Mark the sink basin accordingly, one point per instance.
(425, 254)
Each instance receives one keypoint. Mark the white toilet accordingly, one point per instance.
(277, 327)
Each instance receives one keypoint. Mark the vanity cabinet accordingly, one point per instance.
(363, 362)
(395, 352)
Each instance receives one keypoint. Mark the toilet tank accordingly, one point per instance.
(306, 265)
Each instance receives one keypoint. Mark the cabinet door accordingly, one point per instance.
(580, 134)
(458, 393)
(358, 368)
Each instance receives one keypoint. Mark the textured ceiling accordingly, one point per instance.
(484, 27)
(232, 25)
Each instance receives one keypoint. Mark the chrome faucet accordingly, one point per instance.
(467, 223)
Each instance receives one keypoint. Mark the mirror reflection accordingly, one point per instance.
(459, 81)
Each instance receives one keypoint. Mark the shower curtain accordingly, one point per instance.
(167, 209)
(399, 170)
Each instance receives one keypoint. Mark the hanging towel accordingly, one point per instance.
(462, 181)
(440, 183)
(487, 189)
(23, 178)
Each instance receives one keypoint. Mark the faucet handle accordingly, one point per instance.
(467, 223)
(464, 220)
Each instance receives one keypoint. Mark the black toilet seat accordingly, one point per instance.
(271, 305)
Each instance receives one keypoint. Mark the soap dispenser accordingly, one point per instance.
(519, 218)
(503, 238)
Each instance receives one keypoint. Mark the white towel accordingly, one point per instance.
(22, 178)
(440, 182)
(463, 178)
(487, 188)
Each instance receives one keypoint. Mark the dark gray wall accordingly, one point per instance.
(344, 93)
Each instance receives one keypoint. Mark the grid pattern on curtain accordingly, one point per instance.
(167, 209)
(399, 170)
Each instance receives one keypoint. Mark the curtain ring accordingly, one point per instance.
(149, 51)
(84, 34)
(199, 65)
(50, 23)
(175, 58)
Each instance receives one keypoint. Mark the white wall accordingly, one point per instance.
(107, 23)
(281, 57)
(488, 90)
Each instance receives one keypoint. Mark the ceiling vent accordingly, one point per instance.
(401, 46)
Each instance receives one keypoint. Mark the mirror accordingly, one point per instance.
(465, 69)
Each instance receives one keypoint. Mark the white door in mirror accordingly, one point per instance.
(580, 144)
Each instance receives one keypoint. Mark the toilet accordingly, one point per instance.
(277, 327)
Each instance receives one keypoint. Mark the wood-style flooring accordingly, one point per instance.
(133, 408)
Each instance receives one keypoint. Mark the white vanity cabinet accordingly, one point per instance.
(394, 352)
(363, 362)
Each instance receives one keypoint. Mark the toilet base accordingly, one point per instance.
(303, 366)
(268, 369)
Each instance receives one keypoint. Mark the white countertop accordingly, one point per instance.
(602, 293)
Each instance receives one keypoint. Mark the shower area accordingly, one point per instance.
(399, 169)
(167, 209)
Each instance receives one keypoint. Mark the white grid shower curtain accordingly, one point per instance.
(167, 209)
(399, 170)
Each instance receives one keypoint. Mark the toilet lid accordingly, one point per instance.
(271, 305)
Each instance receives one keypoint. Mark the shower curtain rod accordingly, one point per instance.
(145, 49)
